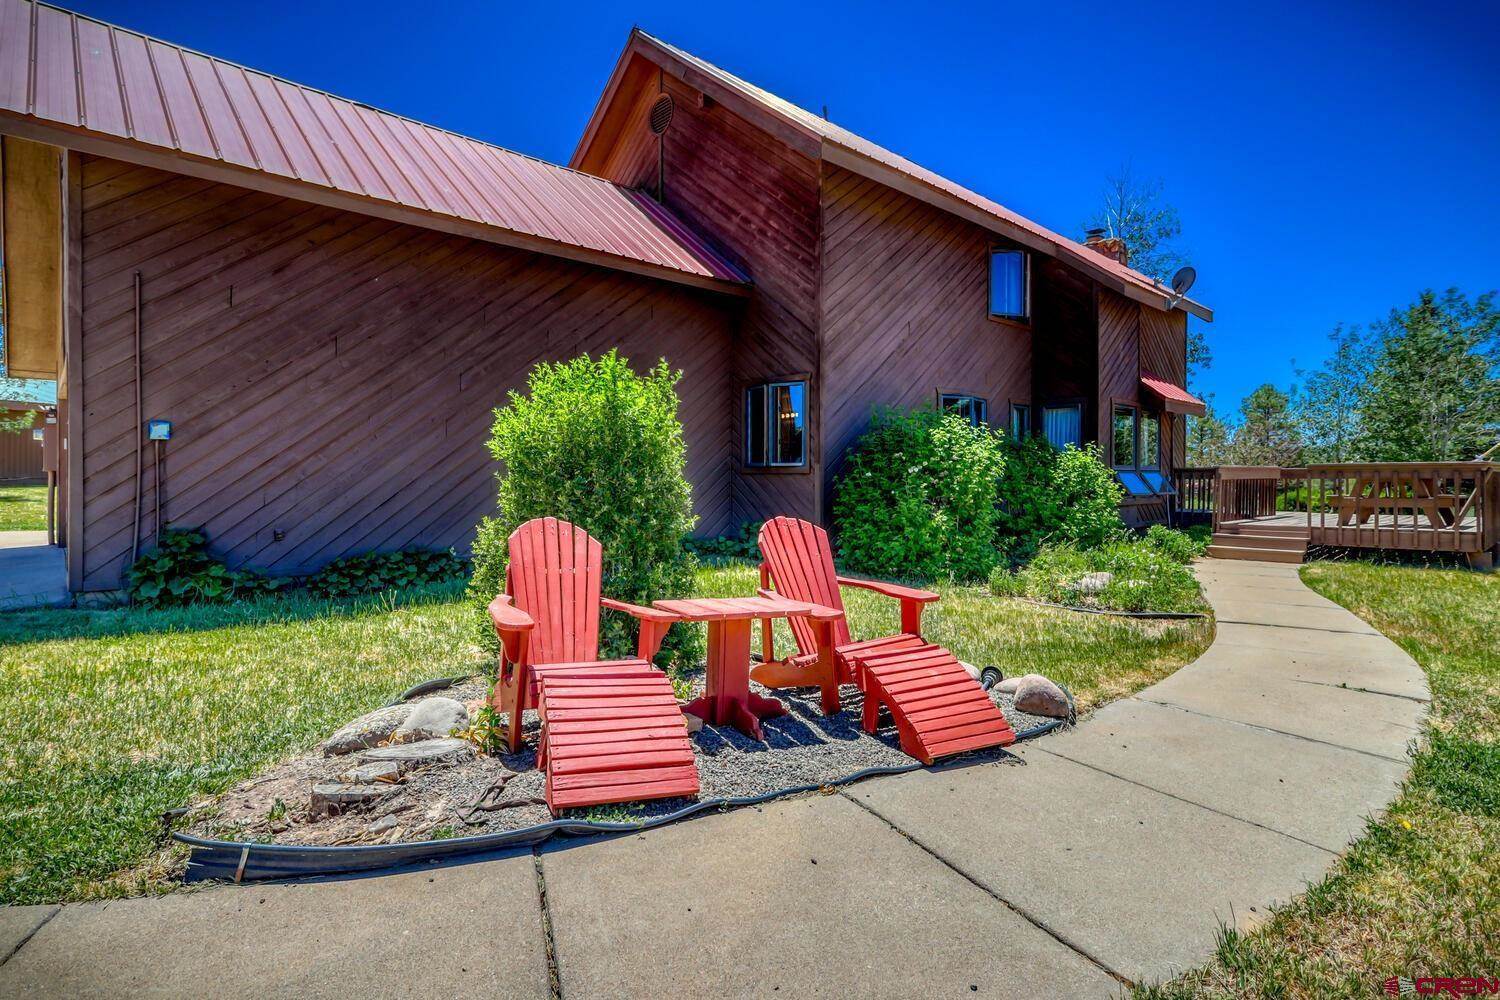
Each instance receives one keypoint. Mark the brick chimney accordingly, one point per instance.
(1109, 246)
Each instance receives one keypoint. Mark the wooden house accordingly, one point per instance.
(325, 300)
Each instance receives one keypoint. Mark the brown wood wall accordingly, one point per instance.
(20, 455)
(1164, 354)
(757, 199)
(1064, 347)
(330, 375)
(905, 311)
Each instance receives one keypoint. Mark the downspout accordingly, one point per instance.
(135, 524)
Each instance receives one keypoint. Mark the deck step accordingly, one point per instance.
(1277, 530)
(1289, 555)
(1260, 541)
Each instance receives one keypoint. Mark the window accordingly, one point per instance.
(1009, 285)
(974, 409)
(1063, 425)
(776, 424)
(1020, 420)
(1122, 448)
(1135, 451)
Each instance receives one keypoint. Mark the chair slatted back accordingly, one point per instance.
(800, 561)
(553, 575)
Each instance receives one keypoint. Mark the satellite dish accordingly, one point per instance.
(1183, 280)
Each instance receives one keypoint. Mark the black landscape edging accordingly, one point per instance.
(1167, 615)
(240, 861)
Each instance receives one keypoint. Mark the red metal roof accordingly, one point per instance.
(64, 68)
(1174, 397)
(829, 134)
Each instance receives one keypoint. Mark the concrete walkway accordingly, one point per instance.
(1105, 855)
(32, 573)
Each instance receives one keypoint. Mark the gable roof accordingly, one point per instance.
(821, 138)
(78, 82)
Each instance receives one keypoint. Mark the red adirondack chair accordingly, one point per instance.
(612, 731)
(937, 707)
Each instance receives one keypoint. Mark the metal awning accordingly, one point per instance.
(1174, 398)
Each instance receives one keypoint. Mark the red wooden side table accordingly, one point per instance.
(727, 699)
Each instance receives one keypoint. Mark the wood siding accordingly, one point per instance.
(756, 199)
(1164, 354)
(330, 375)
(905, 311)
(20, 454)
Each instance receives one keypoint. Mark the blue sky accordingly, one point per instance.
(1329, 161)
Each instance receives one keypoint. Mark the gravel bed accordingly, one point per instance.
(801, 748)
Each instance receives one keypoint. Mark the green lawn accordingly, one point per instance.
(110, 718)
(1419, 895)
(23, 508)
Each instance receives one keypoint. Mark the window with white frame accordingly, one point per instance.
(776, 425)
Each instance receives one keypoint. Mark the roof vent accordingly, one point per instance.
(661, 114)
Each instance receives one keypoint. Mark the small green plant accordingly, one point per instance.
(595, 444)
(278, 810)
(444, 832)
(1179, 546)
(1140, 578)
(917, 497)
(1047, 495)
(486, 731)
(736, 546)
(374, 571)
(180, 571)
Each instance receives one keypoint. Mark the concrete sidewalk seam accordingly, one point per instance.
(1279, 732)
(1187, 801)
(1299, 628)
(1364, 690)
(987, 890)
(22, 943)
(549, 942)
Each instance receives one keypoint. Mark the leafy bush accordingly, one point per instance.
(180, 571)
(1179, 546)
(1047, 495)
(374, 571)
(917, 497)
(1142, 578)
(735, 546)
(593, 443)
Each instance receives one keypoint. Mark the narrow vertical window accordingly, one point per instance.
(1020, 420)
(1122, 450)
(1009, 285)
(776, 424)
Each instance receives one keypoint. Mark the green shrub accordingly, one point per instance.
(180, 571)
(374, 571)
(917, 497)
(593, 443)
(735, 546)
(1179, 546)
(1047, 495)
(1142, 578)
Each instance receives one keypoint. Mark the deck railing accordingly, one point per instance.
(1421, 506)
(1194, 488)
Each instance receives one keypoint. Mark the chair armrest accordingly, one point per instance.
(912, 600)
(654, 625)
(513, 626)
(637, 611)
(895, 590)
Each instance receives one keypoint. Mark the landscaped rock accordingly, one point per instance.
(1092, 583)
(432, 718)
(1036, 695)
(694, 724)
(371, 729)
(970, 669)
(410, 755)
(1009, 684)
(334, 797)
(384, 770)
(383, 824)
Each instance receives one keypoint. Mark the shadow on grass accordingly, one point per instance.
(63, 624)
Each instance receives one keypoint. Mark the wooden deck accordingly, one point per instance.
(1407, 506)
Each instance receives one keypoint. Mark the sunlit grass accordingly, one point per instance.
(1419, 894)
(23, 508)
